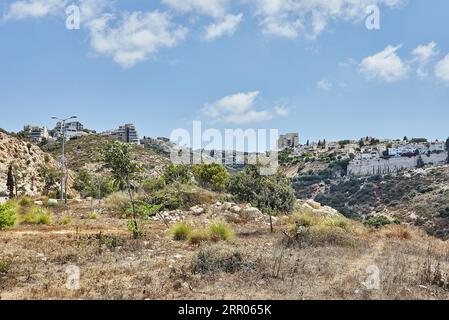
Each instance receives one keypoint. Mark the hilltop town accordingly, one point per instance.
(367, 156)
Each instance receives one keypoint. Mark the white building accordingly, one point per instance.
(72, 130)
(437, 146)
(37, 134)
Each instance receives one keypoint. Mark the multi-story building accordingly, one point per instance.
(126, 133)
(71, 130)
(289, 140)
(37, 134)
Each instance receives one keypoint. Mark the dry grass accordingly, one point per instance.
(116, 266)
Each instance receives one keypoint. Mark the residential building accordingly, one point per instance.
(71, 130)
(289, 140)
(37, 134)
(126, 133)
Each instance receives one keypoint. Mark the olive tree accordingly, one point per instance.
(119, 159)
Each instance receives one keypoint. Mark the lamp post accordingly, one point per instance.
(63, 168)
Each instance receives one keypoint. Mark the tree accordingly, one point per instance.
(50, 176)
(10, 182)
(405, 138)
(420, 163)
(118, 158)
(177, 173)
(268, 193)
(447, 149)
(308, 143)
(211, 176)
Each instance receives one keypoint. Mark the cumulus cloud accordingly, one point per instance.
(134, 37)
(422, 55)
(24, 9)
(324, 85)
(212, 8)
(241, 108)
(385, 65)
(442, 70)
(291, 18)
(227, 26)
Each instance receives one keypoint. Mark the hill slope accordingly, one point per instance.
(28, 159)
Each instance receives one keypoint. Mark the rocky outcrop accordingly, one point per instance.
(311, 206)
(28, 159)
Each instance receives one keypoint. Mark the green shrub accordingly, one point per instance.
(177, 173)
(93, 215)
(211, 176)
(219, 230)
(143, 209)
(38, 216)
(198, 236)
(216, 258)
(153, 185)
(25, 201)
(5, 265)
(65, 220)
(181, 231)
(8, 215)
(378, 222)
(271, 194)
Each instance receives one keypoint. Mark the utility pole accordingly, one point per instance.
(63, 166)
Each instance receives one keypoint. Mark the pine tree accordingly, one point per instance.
(447, 149)
(10, 182)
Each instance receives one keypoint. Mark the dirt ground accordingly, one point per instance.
(113, 265)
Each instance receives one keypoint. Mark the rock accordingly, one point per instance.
(226, 206)
(218, 204)
(38, 203)
(52, 202)
(197, 210)
(236, 209)
(3, 200)
(250, 213)
(313, 204)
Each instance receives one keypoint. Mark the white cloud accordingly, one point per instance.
(291, 18)
(422, 55)
(324, 85)
(211, 8)
(134, 37)
(385, 65)
(227, 26)
(240, 108)
(24, 9)
(442, 70)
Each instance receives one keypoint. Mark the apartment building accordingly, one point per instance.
(289, 140)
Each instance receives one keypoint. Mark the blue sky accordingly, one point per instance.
(308, 66)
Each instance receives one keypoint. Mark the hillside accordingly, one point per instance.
(84, 152)
(418, 197)
(28, 159)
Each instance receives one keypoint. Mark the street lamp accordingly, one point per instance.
(63, 168)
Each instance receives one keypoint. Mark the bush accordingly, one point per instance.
(38, 216)
(143, 209)
(93, 215)
(5, 265)
(378, 222)
(25, 201)
(65, 220)
(198, 236)
(211, 176)
(181, 231)
(219, 231)
(271, 194)
(177, 173)
(216, 258)
(8, 215)
(116, 203)
(153, 185)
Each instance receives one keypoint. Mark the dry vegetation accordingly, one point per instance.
(307, 257)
